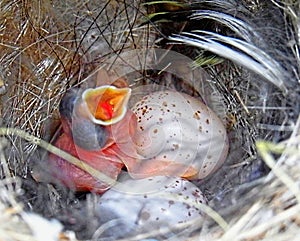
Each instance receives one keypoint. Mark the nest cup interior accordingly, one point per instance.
(58, 46)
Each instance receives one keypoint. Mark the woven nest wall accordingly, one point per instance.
(247, 54)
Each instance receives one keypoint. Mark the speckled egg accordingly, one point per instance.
(135, 206)
(179, 128)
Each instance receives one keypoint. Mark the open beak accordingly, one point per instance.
(106, 104)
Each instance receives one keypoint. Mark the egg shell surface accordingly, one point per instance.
(178, 127)
(149, 204)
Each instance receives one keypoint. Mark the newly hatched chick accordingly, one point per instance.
(91, 142)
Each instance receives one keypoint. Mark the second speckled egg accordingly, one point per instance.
(145, 205)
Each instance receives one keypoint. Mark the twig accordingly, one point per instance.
(66, 156)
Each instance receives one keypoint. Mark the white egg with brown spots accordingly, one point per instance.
(178, 128)
(142, 205)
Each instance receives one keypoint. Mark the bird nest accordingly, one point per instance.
(240, 57)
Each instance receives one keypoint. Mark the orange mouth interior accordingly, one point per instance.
(107, 102)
